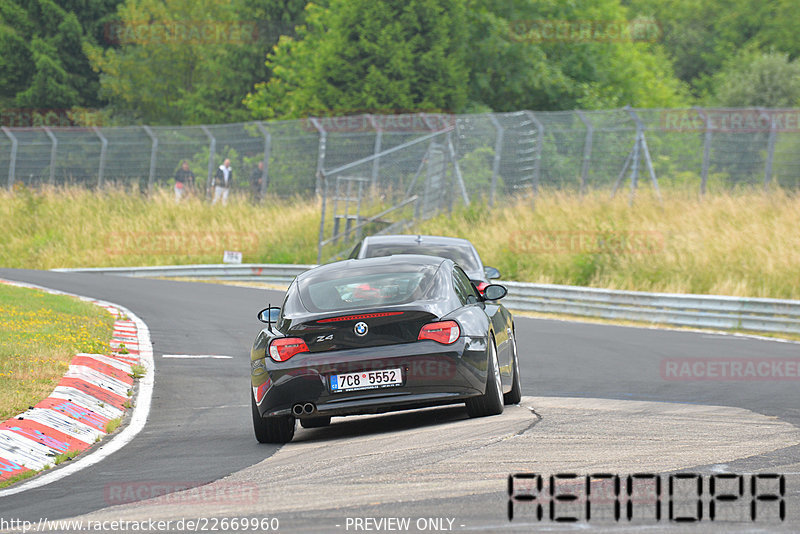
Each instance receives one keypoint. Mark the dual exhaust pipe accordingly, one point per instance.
(303, 409)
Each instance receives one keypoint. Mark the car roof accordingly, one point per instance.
(430, 240)
(396, 260)
(418, 239)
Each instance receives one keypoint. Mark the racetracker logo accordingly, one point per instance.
(192, 32)
(179, 243)
(397, 121)
(731, 120)
(50, 117)
(585, 31)
(735, 369)
(587, 242)
(180, 493)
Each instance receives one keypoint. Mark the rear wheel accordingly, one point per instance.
(515, 395)
(315, 422)
(491, 402)
(278, 429)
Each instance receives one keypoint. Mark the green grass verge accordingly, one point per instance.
(18, 478)
(40, 333)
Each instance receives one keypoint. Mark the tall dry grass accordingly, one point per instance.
(743, 243)
(74, 227)
(740, 243)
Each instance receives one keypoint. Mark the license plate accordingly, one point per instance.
(366, 380)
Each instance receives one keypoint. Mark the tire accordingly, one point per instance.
(515, 395)
(491, 402)
(315, 422)
(272, 429)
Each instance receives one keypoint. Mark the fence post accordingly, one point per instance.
(267, 150)
(706, 149)
(773, 134)
(153, 155)
(323, 138)
(498, 151)
(324, 190)
(645, 151)
(456, 168)
(12, 164)
(587, 149)
(53, 155)
(103, 148)
(212, 149)
(537, 165)
(376, 150)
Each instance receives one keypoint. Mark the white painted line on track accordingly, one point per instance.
(138, 417)
(197, 356)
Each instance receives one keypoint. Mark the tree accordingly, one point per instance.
(188, 62)
(368, 56)
(756, 79)
(42, 63)
(701, 37)
(516, 66)
(50, 86)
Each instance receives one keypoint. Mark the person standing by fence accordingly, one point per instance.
(184, 179)
(223, 179)
(256, 179)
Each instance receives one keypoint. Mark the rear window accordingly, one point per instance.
(462, 255)
(360, 288)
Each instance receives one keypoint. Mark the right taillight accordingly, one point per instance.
(445, 332)
(283, 348)
(480, 287)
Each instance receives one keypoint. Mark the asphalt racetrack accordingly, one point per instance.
(597, 399)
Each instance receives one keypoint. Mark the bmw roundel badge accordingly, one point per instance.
(361, 329)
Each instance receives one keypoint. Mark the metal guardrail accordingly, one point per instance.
(700, 311)
(249, 272)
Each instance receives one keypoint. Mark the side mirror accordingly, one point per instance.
(491, 273)
(269, 315)
(494, 292)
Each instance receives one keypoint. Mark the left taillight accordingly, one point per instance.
(445, 332)
(283, 348)
(481, 286)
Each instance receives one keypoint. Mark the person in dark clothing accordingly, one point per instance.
(256, 179)
(184, 179)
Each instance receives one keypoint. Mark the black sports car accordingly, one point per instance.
(459, 250)
(381, 334)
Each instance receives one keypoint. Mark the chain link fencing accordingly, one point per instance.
(703, 149)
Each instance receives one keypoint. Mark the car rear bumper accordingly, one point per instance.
(433, 374)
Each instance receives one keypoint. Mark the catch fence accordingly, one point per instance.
(703, 149)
